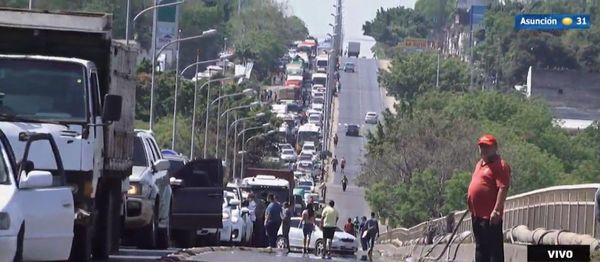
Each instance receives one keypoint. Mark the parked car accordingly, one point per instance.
(371, 118)
(349, 67)
(36, 208)
(307, 184)
(149, 194)
(237, 225)
(288, 155)
(342, 242)
(352, 130)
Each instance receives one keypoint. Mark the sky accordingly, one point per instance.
(317, 16)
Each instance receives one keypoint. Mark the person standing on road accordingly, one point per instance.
(349, 227)
(334, 163)
(485, 198)
(287, 219)
(252, 210)
(373, 233)
(329, 219)
(343, 164)
(308, 225)
(273, 215)
(357, 226)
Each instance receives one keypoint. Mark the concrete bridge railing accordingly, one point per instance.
(569, 208)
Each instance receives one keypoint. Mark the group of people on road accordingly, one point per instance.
(334, 163)
(328, 225)
(366, 230)
(268, 217)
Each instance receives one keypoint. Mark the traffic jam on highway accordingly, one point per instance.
(78, 181)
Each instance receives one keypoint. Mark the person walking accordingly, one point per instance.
(485, 198)
(357, 227)
(349, 227)
(308, 225)
(334, 163)
(252, 211)
(373, 233)
(329, 219)
(344, 183)
(343, 164)
(286, 223)
(273, 219)
(335, 139)
(363, 234)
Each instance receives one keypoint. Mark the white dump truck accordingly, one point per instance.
(62, 74)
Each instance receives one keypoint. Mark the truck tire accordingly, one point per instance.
(81, 249)
(147, 236)
(105, 221)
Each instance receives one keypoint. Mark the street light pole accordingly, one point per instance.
(176, 92)
(194, 110)
(153, 54)
(437, 76)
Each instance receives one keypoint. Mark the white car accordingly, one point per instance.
(288, 155)
(342, 242)
(149, 194)
(306, 183)
(285, 146)
(36, 209)
(309, 147)
(237, 226)
(317, 107)
(315, 119)
(371, 118)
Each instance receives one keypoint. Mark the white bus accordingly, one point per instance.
(262, 185)
(308, 132)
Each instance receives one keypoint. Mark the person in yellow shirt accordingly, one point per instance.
(329, 219)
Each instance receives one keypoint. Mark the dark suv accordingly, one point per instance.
(353, 130)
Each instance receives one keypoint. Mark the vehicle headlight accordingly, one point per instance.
(225, 215)
(4, 220)
(134, 189)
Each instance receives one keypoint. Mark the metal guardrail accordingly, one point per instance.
(570, 208)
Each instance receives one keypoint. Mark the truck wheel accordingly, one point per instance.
(147, 235)
(81, 249)
(105, 221)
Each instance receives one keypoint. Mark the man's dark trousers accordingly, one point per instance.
(489, 243)
(286, 234)
(272, 228)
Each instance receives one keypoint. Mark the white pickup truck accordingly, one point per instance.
(36, 207)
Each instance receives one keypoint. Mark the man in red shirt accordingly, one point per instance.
(486, 195)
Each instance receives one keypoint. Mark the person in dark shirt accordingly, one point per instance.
(273, 219)
(287, 219)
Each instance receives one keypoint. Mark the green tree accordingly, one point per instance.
(412, 75)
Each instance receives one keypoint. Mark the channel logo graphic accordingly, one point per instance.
(562, 253)
(552, 21)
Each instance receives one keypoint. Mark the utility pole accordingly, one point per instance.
(173, 138)
(437, 77)
(153, 53)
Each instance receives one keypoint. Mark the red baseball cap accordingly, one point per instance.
(489, 140)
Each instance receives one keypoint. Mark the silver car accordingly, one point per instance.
(371, 118)
(288, 155)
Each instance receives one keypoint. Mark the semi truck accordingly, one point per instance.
(61, 73)
(353, 49)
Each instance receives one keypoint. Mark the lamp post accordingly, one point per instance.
(253, 104)
(228, 126)
(194, 110)
(176, 92)
(243, 152)
(245, 92)
(195, 64)
(235, 144)
(155, 55)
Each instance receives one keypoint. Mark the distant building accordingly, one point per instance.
(469, 17)
(573, 95)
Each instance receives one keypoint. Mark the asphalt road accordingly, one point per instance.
(359, 94)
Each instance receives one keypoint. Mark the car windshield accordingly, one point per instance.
(349, 65)
(139, 153)
(287, 152)
(309, 148)
(44, 90)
